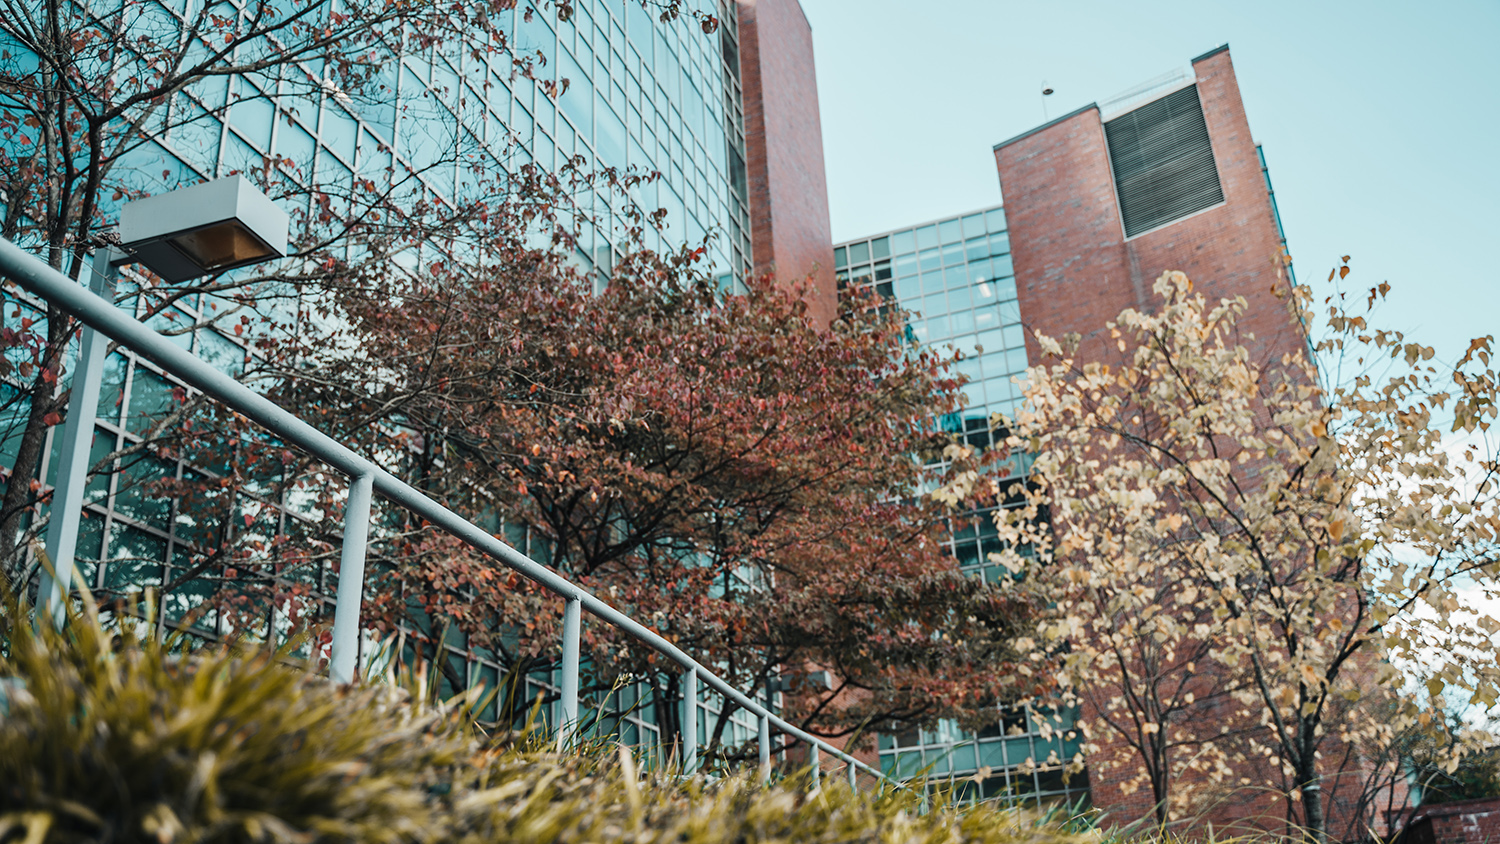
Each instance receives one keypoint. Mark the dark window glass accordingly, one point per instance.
(1163, 162)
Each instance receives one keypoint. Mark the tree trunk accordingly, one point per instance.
(1312, 808)
(18, 495)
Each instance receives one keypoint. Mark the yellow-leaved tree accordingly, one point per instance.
(1246, 559)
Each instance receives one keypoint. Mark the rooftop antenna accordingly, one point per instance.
(1046, 92)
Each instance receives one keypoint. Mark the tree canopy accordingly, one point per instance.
(1245, 560)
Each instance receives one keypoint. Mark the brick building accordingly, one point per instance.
(788, 190)
(1461, 822)
(1165, 176)
(1098, 203)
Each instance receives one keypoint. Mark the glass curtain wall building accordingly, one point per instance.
(955, 279)
(642, 94)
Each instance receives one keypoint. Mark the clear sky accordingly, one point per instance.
(1380, 121)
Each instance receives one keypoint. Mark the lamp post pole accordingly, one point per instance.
(77, 444)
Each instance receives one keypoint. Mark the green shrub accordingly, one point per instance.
(112, 739)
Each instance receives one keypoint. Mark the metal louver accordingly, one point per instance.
(1162, 161)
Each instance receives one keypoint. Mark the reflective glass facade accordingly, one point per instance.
(955, 280)
(641, 94)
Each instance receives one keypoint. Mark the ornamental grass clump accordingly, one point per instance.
(106, 736)
(109, 737)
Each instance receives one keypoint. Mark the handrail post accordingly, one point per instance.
(813, 756)
(765, 741)
(76, 447)
(690, 720)
(343, 663)
(853, 775)
(568, 722)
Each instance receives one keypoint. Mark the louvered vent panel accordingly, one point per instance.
(1163, 162)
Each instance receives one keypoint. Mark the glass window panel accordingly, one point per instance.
(927, 237)
(950, 232)
(931, 259)
(175, 325)
(1005, 287)
(1015, 360)
(908, 289)
(135, 559)
(294, 142)
(956, 277)
(198, 137)
(902, 242)
(953, 253)
(994, 219)
(136, 496)
(974, 225)
(578, 101)
(881, 248)
(859, 253)
(840, 256)
(968, 367)
(992, 754)
(906, 265)
(1015, 337)
(958, 298)
(976, 248)
(937, 327)
(110, 389)
(983, 293)
(374, 158)
(999, 243)
(1001, 265)
(150, 400)
(1018, 750)
(610, 140)
(219, 352)
(936, 303)
(194, 591)
(991, 340)
(253, 115)
(12, 426)
(339, 131)
(963, 320)
(932, 282)
(1010, 312)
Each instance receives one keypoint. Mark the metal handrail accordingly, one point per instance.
(366, 477)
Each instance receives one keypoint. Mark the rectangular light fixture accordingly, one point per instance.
(202, 229)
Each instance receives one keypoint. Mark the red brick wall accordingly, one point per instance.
(1075, 271)
(1463, 822)
(1074, 268)
(789, 230)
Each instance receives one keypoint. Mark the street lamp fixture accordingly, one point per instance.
(181, 235)
(203, 229)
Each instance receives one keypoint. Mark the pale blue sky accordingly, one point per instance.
(1379, 120)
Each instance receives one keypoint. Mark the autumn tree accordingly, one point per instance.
(1241, 556)
(105, 102)
(714, 463)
